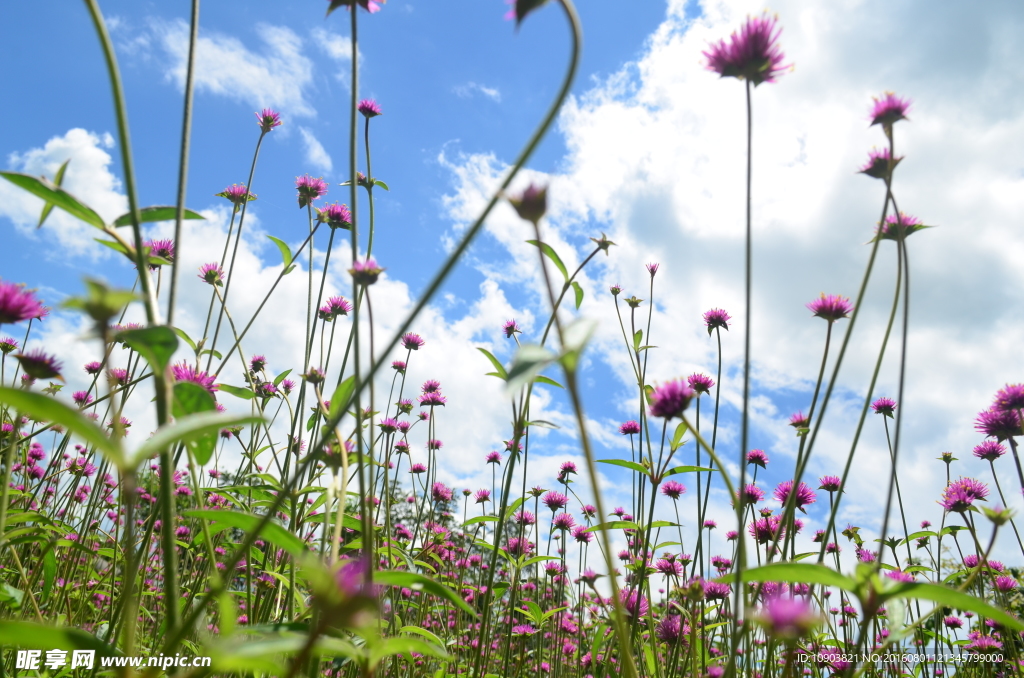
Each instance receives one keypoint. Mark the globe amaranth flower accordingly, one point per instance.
(441, 493)
(581, 535)
(257, 363)
(8, 345)
(889, 109)
(371, 6)
(714, 590)
(39, 365)
(629, 428)
(670, 399)
(799, 420)
(482, 496)
(17, 304)
(999, 424)
(335, 215)
(633, 602)
(494, 457)
(236, 194)
(716, 318)
(555, 500)
(417, 468)
(185, 372)
(1010, 397)
(767, 529)
(510, 328)
(616, 290)
(752, 53)
(758, 458)
(531, 204)
(369, 108)
(830, 483)
(338, 306)
(899, 226)
(804, 494)
(700, 383)
(652, 269)
(309, 189)
(212, 274)
(751, 494)
(365, 272)
(989, 450)
(563, 521)
(398, 366)
(432, 399)
(567, 468)
(672, 489)
(268, 119)
(831, 307)
(884, 406)
(82, 398)
(877, 166)
(412, 342)
(164, 249)
(787, 617)
(961, 494)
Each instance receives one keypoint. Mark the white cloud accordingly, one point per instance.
(316, 155)
(471, 89)
(276, 74)
(339, 49)
(88, 178)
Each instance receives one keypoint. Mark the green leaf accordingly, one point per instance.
(632, 465)
(480, 519)
(148, 215)
(188, 340)
(156, 344)
(281, 377)
(686, 469)
(574, 339)
(116, 246)
(677, 437)
(529, 360)
(271, 532)
(419, 582)
(28, 635)
(42, 408)
(286, 252)
(542, 423)
(189, 428)
(423, 632)
(552, 255)
(579, 293)
(378, 182)
(58, 180)
(237, 391)
(498, 367)
(943, 595)
(341, 396)
(11, 596)
(42, 187)
(541, 379)
(614, 525)
(403, 646)
(49, 570)
(189, 399)
(809, 573)
(637, 338)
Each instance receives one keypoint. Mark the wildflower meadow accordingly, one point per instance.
(305, 467)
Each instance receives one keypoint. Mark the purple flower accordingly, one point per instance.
(884, 406)
(960, 494)
(787, 617)
(431, 386)
(17, 304)
(519, 547)
(700, 383)
(8, 344)
(160, 248)
(567, 468)
(371, 6)
(441, 493)
(716, 590)
(901, 576)
(804, 494)
(93, 367)
(555, 500)
(185, 372)
(877, 166)
(1005, 584)
(670, 399)
(389, 425)
(81, 398)
(669, 567)
(531, 204)
(369, 108)
(524, 518)
(652, 269)
(365, 272)
(629, 428)
(413, 342)
(581, 535)
(983, 644)
(758, 458)
(236, 194)
(563, 521)
(899, 226)
(799, 420)
(434, 444)
(39, 365)
(999, 424)
(432, 399)
(398, 366)
(671, 630)
(830, 483)
(952, 622)
(889, 109)
(334, 215)
(212, 274)
(751, 494)
(418, 468)
(716, 318)
(510, 328)
(310, 189)
(482, 496)
(1011, 397)
(766, 529)
(831, 307)
(80, 467)
(287, 386)
(523, 630)
(338, 306)
(673, 489)
(118, 376)
(268, 119)
(616, 290)
(494, 457)
(989, 450)
(752, 53)
(257, 363)
(636, 605)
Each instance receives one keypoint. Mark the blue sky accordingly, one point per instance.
(649, 150)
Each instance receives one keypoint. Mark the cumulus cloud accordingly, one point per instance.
(339, 49)
(316, 155)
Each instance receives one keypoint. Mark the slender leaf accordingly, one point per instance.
(286, 252)
(530, 359)
(58, 180)
(809, 573)
(419, 582)
(632, 465)
(579, 293)
(943, 595)
(498, 367)
(29, 635)
(156, 344)
(341, 396)
(148, 215)
(541, 379)
(614, 525)
(189, 428)
(404, 646)
(237, 391)
(686, 469)
(550, 253)
(271, 532)
(42, 187)
(188, 340)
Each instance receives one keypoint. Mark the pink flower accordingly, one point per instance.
(752, 53)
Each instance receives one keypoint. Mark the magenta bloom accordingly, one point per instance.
(160, 248)
(877, 166)
(432, 399)
(766, 529)
(889, 109)
(8, 344)
(636, 605)
(418, 468)
(989, 450)
(830, 483)
(81, 398)
(268, 119)
(960, 494)
(804, 494)
(510, 328)
(494, 457)
(257, 363)
(1011, 397)
(555, 500)
(80, 467)
(482, 496)
(884, 406)
(716, 318)
(212, 274)
(799, 420)
(310, 189)
(441, 493)
(831, 307)
(338, 306)
(39, 365)
(563, 521)
(413, 342)
(899, 226)
(519, 547)
(752, 53)
(580, 534)
(185, 372)
(629, 428)
(700, 383)
(758, 458)
(670, 399)
(716, 590)
(671, 630)
(335, 215)
(788, 617)
(431, 386)
(999, 424)
(365, 272)
(369, 107)
(531, 204)
(371, 6)
(673, 489)
(17, 304)
(236, 194)
(751, 494)
(652, 269)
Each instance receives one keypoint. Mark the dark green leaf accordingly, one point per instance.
(237, 391)
(632, 465)
(156, 344)
(58, 180)
(271, 532)
(419, 582)
(190, 428)
(550, 253)
(188, 340)
(809, 573)
(541, 379)
(57, 196)
(579, 294)
(49, 570)
(614, 525)
(341, 396)
(499, 368)
(37, 636)
(148, 215)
